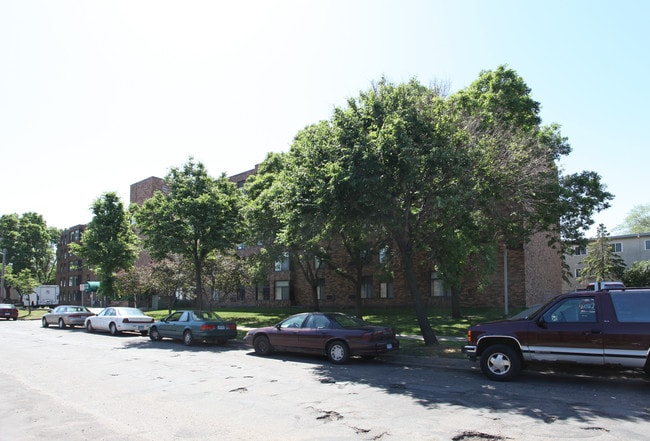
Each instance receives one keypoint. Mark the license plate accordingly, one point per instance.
(221, 327)
(389, 346)
(140, 327)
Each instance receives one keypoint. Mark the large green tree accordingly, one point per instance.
(282, 215)
(601, 262)
(449, 178)
(199, 215)
(30, 245)
(108, 244)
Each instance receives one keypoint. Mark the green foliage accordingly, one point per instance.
(636, 221)
(30, 245)
(108, 245)
(601, 262)
(638, 274)
(24, 282)
(197, 216)
(447, 178)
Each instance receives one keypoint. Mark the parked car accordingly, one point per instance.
(336, 335)
(8, 311)
(66, 315)
(117, 319)
(191, 326)
(585, 327)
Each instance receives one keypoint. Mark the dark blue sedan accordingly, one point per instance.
(192, 326)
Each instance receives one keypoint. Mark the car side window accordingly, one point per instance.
(293, 322)
(574, 310)
(174, 317)
(317, 321)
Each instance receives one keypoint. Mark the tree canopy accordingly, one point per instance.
(197, 216)
(30, 246)
(108, 245)
(601, 262)
(443, 179)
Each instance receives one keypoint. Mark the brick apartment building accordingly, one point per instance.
(71, 271)
(527, 275)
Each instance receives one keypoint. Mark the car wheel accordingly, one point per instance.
(89, 327)
(112, 328)
(61, 324)
(188, 339)
(154, 334)
(338, 352)
(262, 345)
(44, 323)
(500, 362)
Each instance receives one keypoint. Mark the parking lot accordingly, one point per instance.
(73, 385)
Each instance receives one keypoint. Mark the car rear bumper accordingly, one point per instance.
(134, 327)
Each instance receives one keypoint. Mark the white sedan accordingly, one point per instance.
(116, 319)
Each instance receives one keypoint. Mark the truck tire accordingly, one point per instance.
(500, 362)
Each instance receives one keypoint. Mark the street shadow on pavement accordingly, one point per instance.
(142, 342)
(548, 395)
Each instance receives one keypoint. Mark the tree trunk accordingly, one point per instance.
(420, 312)
(199, 286)
(314, 294)
(455, 303)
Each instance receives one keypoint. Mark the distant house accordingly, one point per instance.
(631, 247)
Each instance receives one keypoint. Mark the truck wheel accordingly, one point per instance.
(500, 362)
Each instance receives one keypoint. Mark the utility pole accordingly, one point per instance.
(2, 283)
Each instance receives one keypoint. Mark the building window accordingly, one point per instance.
(579, 251)
(366, 287)
(383, 255)
(320, 289)
(262, 292)
(647, 245)
(281, 290)
(578, 271)
(617, 247)
(283, 265)
(437, 286)
(386, 290)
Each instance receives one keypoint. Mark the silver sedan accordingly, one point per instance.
(66, 315)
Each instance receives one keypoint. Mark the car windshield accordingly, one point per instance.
(347, 321)
(528, 312)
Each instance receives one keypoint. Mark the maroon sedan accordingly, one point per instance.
(337, 335)
(8, 311)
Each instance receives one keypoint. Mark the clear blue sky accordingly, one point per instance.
(96, 95)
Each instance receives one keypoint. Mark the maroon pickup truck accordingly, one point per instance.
(587, 327)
